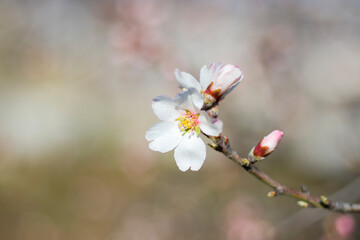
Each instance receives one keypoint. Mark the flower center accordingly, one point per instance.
(189, 122)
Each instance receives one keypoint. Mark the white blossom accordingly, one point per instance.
(181, 122)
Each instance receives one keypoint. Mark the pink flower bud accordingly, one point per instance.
(224, 79)
(266, 145)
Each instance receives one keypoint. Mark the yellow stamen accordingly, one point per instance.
(188, 122)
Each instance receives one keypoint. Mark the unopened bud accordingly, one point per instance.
(271, 194)
(303, 204)
(214, 146)
(324, 200)
(304, 189)
(266, 146)
(245, 162)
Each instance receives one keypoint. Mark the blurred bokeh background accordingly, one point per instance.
(76, 82)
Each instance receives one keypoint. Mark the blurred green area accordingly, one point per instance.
(76, 82)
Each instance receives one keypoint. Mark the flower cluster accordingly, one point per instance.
(183, 118)
(194, 111)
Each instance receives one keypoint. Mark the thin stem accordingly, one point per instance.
(222, 145)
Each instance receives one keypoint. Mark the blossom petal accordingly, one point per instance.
(231, 88)
(228, 76)
(205, 77)
(165, 108)
(190, 100)
(210, 126)
(214, 69)
(165, 136)
(187, 80)
(190, 153)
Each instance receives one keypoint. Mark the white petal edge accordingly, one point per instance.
(190, 100)
(190, 153)
(209, 125)
(231, 88)
(197, 99)
(186, 80)
(205, 77)
(165, 136)
(214, 70)
(165, 108)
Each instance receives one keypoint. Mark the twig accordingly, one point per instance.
(305, 198)
(293, 225)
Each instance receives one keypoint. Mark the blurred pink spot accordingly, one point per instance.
(244, 220)
(345, 225)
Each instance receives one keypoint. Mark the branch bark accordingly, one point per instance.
(222, 144)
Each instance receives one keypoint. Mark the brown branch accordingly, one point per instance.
(305, 198)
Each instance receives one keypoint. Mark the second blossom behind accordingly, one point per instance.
(215, 82)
